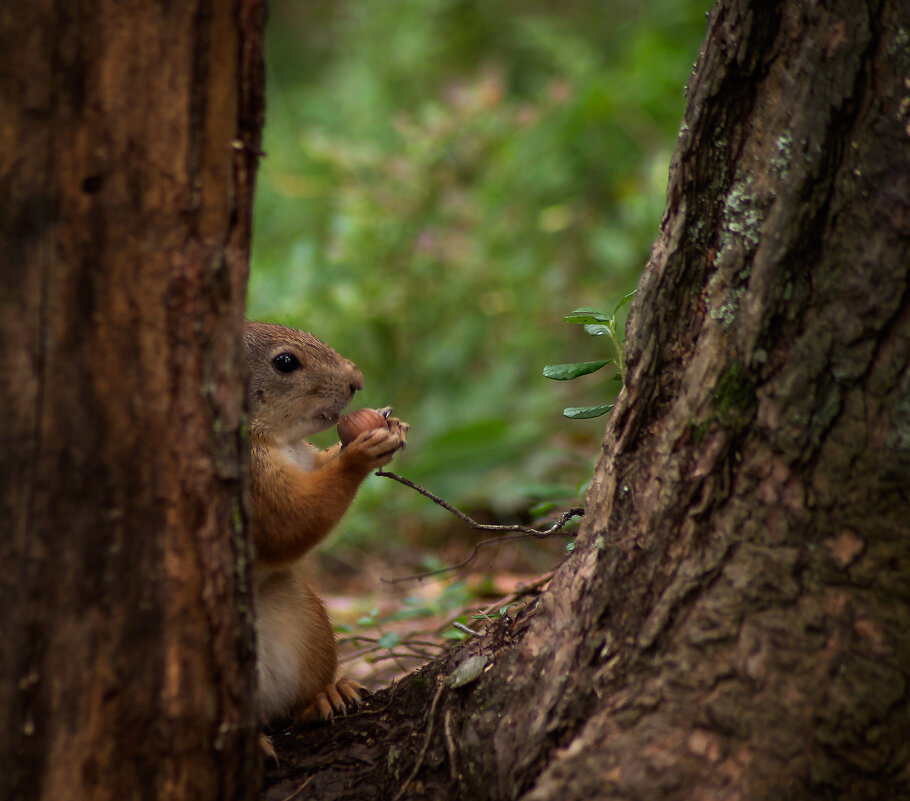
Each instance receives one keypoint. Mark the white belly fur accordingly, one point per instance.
(296, 655)
(276, 664)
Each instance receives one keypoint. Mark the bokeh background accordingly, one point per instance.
(444, 181)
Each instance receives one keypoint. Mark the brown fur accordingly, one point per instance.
(299, 494)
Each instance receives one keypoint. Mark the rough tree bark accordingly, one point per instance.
(735, 620)
(128, 145)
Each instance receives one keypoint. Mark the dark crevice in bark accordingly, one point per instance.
(820, 198)
(199, 99)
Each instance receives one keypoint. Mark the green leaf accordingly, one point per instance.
(410, 613)
(570, 546)
(565, 372)
(586, 315)
(584, 412)
(366, 621)
(597, 329)
(626, 299)
(455, 634)
(389, 640)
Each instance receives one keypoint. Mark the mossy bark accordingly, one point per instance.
(735, 619)
(128, 144)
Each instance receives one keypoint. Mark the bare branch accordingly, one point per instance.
(564, 518)
(466, 630)
(521, 532)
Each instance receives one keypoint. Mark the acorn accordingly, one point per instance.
(354, 424)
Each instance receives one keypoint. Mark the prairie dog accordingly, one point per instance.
(297, 386)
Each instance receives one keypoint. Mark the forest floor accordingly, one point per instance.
(388, 629)
(393, 618)
(390, 623)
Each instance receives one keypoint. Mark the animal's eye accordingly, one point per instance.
(286, 363)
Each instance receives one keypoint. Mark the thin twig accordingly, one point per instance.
(482, 544)
(398, 655)
(357, 639)
(563, 519)
(375, 640)
(306, 781)
(466, 630)
(522, 532)
(426, 742)
(427, 643)
(360, 653)
(524, 589)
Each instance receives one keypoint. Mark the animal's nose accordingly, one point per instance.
(356, 379)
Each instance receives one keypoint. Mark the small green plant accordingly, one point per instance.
(597, 324)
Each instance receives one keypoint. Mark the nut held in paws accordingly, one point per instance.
(354, 424)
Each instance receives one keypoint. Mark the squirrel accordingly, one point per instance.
(296, 386)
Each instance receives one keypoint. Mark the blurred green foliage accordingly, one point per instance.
(445, 180)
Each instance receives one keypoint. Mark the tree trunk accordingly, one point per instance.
(128, 144)
(735, 620)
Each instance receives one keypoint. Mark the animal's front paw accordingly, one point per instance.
(372, 449)
(401, 428)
